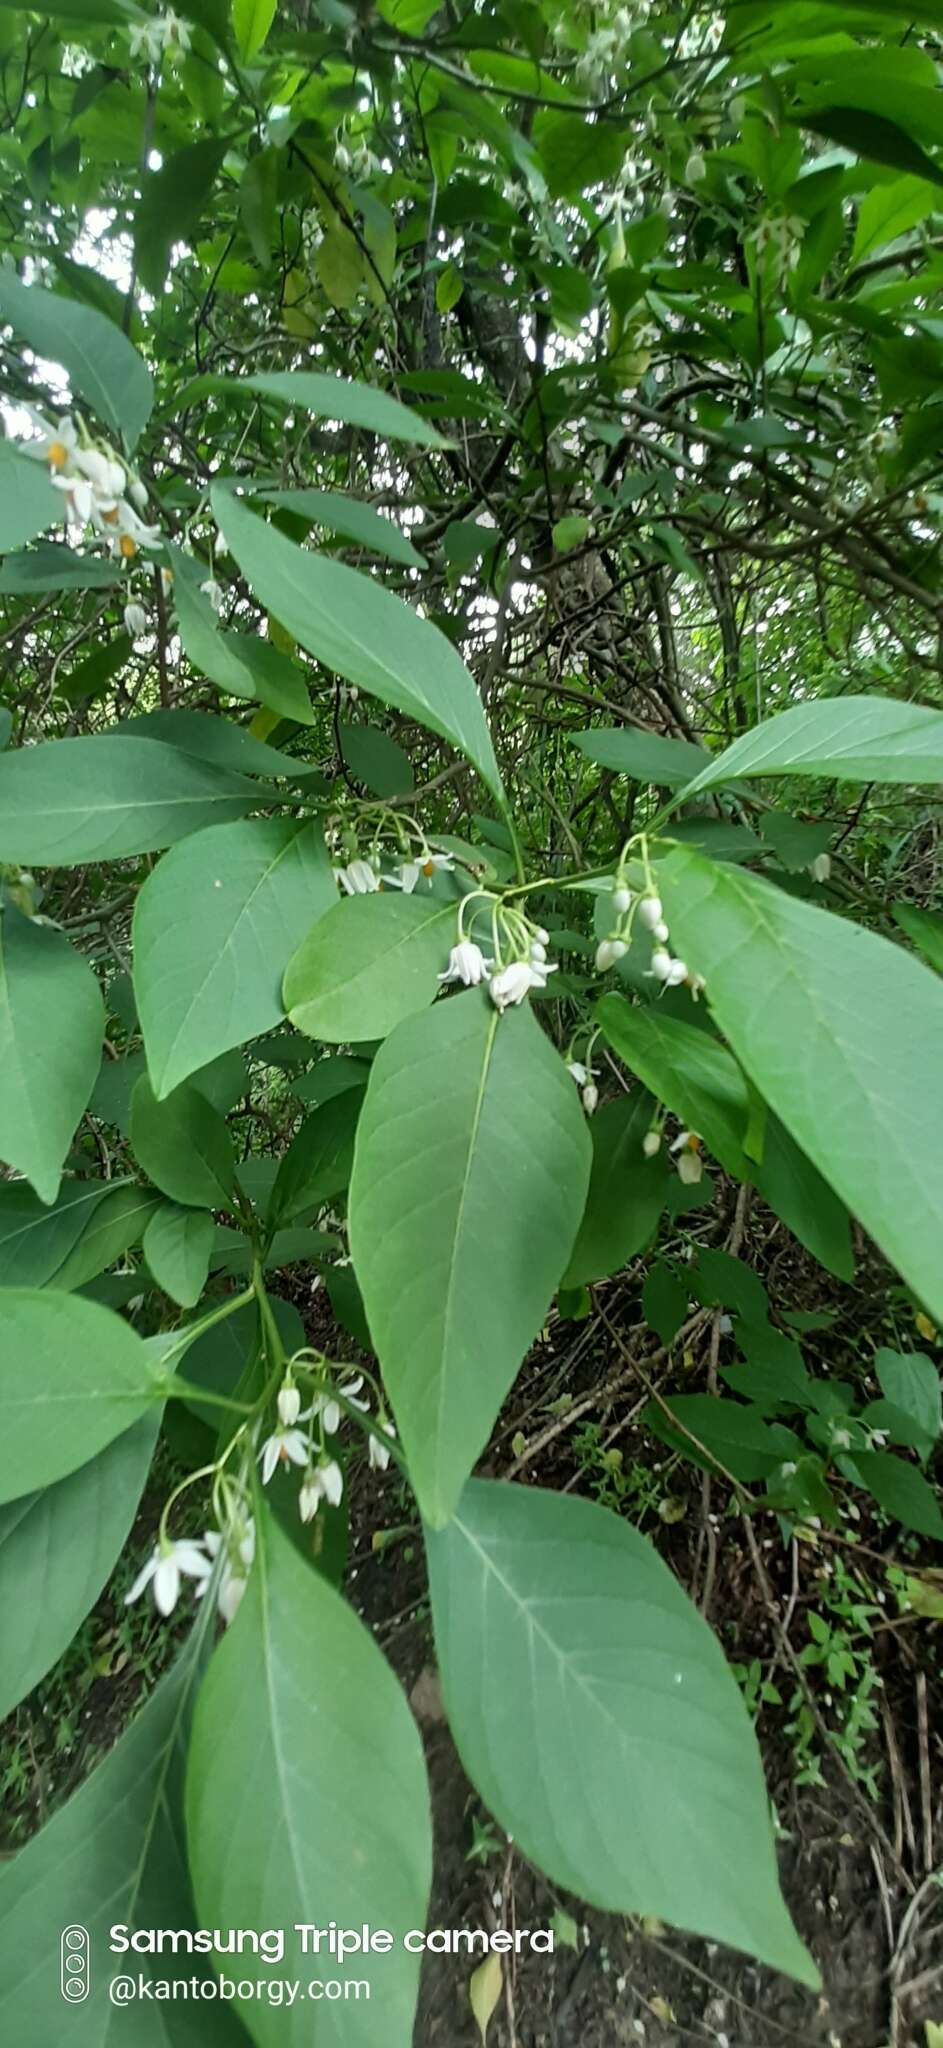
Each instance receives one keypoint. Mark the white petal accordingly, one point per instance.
(143, 1579)
(167, 1584)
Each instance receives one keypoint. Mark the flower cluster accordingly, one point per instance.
(648, 909)
(779, 235)
(196, 1558)
(101, 494)
(166, 35)
(360, 877)
(293, 1444)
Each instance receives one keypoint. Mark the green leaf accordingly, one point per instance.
(113, 1856)
(239, 665)
(357, 522)
(626, 1195)
(595, 1714)
(340, 265)
(361, 631)
(57, 1548)
(863, 1101)
(318, 1162)
(299, 1708)
(576, 153)
(28, 501)
(35, 1237)
(712, 1432)
(470, 1176)
(101, 798)
(171, 206)
(871, 136)
(924, 928)
(912, 1383)
(889, 211)
(215, 926)
(664, 1302)
(701, 1082)
(796, 842)
(177, 1247)
(183, 1146)
(251, 20)
(570, 532)
(119, 1221)
(51, 1022)
(52, 566)
(89, 1378)
(856, 739)
(376, 759)
(370, 962)
(101, 365)
(901, 1490)
(331, 398)
(643, 755)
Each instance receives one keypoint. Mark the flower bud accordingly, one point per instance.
(649, 911)
(651, 1144)
(288, 1404)
(661, 964)
(621, 899)
(695, 170)
(660, 932)
(590, 1097)
(677, 973)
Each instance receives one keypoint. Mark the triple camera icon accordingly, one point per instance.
(74, 1964)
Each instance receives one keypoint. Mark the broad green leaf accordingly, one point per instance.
(28, 501)
(57, 1549)
(332, 398)
(774, 1375)
(361, 631)
(101, 365)
(119, 1221)
(183, 1146)
(664, 1301)
(912, 1383)
(376, 759)
(51, 1022)
(795, 841)
(88, 1378)
(855, 739)
(252, 20)
(350, 517)
(215, 926)
(113, 1856)
(643, 755)
(626, 1195)
(177, 1247)
(576, 153)
(35, 1237)
(211, 738)
(701, 1082)
(52, 566)
(318, 1161)
(100, 798)
(863, 1099)
(871, 136)
(470, 1174)
(299, 1709)
(171, 206)
(241, 665)
(713, 1432)
(889, 211)
(924, 928)
(902, 1491)
(331, 1077)
(370, 962)
(595, 1714)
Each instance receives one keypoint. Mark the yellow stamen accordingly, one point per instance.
(127, 547)
(57, 455)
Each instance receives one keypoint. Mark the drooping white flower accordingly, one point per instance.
(309, 1499)
(134, 532)
(687, 1145)
(467, 964)
(167, 1564)
(661, 964)
(660, 932)
(608, 952)
(407, 875)
(378, 1452)
(651, 1144)
(621, 899)
(358, 878)
(58, 445)
(137, 492)
(538, 952)
(590, 1096)
(135, 620)
(579, 1072)
(331, 1481)
(175, 32)
(821, 867)
(284, 1446)
(677, 973)
(288, 1403)
(79, 496)
(214, 591)
(146, 39)
(436, 864)
(650, 911)
(240, 1551)
(513, 982)
(105, 475)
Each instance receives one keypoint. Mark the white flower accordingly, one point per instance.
(331, 1481)
(660, 932)
(621, 898)
(651, 1144)
(821, 867)
(105, 475)
(512, 983)
(407, 875)
(677, 973)
(58, 445)
(436, 863)
(579, 1072)
(608, 952)
(342, 158)
(146, 37)
(467, 964)
(690, 1164)
(789, 1470)
(650, 911)
(590, 1097)
(164, 1568)
(240, 1551)
(79, 497)
(538, 952)
(135, 620)
(173, 30)
(378, 1452)
(289, 1403)
(841, 1439)
(661, 964)
(358, 878)
(695, 170)
(284, 1446)
(309, 1499)
(214, 591)
(137, 492)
